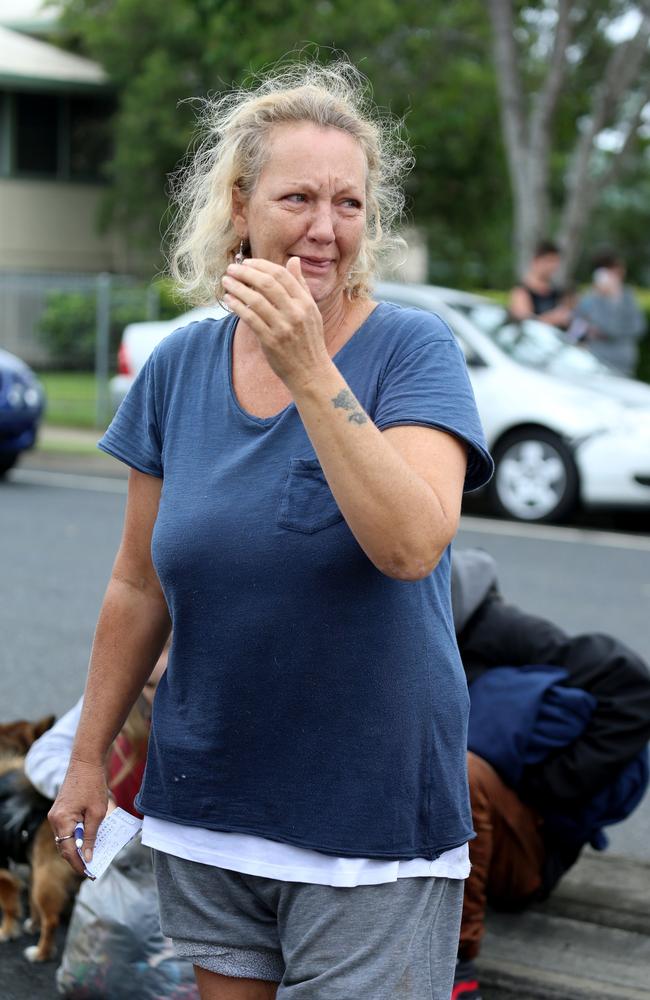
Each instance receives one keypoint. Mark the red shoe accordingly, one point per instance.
(466, 985)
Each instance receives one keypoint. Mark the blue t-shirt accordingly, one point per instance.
(309, 698)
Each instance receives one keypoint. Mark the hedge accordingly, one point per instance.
(67, 326)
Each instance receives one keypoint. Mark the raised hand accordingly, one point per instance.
(276, 304)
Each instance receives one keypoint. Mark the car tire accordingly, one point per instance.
(535, 477)
(7, 461)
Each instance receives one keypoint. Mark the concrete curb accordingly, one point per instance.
(67, 439)
(589, 941)
(71, 450)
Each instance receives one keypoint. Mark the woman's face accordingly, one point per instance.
(309, 202)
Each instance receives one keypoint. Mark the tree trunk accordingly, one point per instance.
(527, 139)
(583, 186)
(512, 119)
(527, 134)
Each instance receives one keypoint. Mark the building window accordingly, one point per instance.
(89, 137)
(36, 134)
(58, 136)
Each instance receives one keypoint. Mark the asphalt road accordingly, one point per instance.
(59, 533)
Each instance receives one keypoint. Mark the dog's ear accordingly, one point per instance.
(20, 735)
(43, 725)
(17, 736)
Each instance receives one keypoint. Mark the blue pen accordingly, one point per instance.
(79, 842)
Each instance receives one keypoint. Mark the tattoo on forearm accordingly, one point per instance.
(346, 401)
(358, 418)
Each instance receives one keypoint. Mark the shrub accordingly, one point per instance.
(67, 325)
(67, 328)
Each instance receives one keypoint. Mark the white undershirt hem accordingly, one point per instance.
(270, 859)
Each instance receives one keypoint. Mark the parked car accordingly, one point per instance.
(138, 341)
(22, 402)
(563, 428)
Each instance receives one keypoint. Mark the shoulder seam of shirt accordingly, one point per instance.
(450, 339)
(186, 327)
(431, 315)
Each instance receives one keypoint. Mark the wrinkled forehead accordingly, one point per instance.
(321, 155)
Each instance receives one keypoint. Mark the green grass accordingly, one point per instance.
(71, 398)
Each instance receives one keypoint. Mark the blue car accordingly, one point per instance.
(22, 402)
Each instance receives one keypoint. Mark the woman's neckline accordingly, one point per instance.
(267, 421)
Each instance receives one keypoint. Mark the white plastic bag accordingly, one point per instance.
(115, 948)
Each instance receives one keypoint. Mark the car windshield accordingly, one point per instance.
(531, 342)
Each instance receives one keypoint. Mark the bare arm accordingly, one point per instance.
(131, 630)
(399, 491)
(48, 757)
(520, 307)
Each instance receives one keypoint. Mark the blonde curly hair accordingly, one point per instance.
(232, 153)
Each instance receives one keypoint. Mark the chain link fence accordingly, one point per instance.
(72, 323)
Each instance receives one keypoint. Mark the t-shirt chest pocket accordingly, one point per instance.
(307, 503)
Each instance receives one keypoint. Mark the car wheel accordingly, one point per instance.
(535, 477)
(7, 461)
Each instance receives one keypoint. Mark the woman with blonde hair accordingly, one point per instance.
(296, 478)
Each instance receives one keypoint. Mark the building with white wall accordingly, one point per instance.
(55, 137)
(55, 109)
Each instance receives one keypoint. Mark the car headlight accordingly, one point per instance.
(16, 395)
(21, 394)
(32, 396)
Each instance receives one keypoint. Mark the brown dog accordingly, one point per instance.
(26, 837)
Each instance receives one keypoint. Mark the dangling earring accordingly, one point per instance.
(239, 256)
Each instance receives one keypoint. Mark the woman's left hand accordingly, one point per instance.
(276, 304)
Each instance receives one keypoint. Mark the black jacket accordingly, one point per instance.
(499, 634)
(492, 633)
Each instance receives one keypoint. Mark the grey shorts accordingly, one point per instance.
(318, 942)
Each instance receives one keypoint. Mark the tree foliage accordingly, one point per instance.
(426, 62)
(568, 55)
(430, 63)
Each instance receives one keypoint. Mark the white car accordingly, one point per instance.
(139, 340)
(563, 429)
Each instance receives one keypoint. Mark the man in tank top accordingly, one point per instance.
(537, 295)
